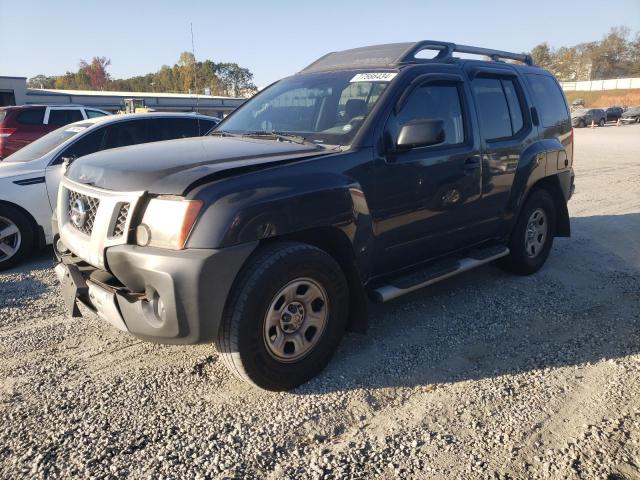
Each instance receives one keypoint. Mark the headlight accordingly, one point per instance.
(167, 222)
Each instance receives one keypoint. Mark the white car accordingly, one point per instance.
(29, 178)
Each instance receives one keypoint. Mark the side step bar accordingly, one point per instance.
(435, 273)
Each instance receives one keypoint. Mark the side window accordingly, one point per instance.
(63, 117)
(515, 109)
(439, 101)
(206, 126)
(90, 143)
(33, 116)
(94, 113)
(549, 100)
(172, 128)
(126, 133)
(493, 110)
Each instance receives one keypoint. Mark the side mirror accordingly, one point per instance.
(420, 132)
(67, 161)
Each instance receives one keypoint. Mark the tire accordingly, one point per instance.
(255, 341)
(527, 253)
(16, 236)
(601, 122)
(581, 124)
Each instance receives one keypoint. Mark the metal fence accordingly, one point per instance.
(598, 85)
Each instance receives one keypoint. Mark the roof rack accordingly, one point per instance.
(397, 54)
(447, 49)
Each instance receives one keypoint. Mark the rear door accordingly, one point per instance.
(28, 126)
(506, 130)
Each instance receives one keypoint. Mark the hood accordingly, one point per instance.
(170, 167)
(21, 170)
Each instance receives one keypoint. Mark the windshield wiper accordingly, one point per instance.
(280, 136)
(222, 133)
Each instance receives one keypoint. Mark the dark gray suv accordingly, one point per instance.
(587, 116)
(370, 174)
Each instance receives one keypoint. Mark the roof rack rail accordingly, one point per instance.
(446, 50)
(391, 55)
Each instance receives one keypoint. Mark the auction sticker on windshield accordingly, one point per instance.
(75, 129)
(374, 77)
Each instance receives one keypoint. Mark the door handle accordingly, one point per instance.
(472, 163)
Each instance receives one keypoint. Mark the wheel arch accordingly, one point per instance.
(551, 184)
(336, 243)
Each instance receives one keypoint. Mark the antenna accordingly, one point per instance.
(195, 74)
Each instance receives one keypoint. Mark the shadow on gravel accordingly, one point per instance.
(583, 306)
(18, 290)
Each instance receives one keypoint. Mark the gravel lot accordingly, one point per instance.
(486, 375)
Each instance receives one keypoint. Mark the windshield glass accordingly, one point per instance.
(47, 143)
(325, 108)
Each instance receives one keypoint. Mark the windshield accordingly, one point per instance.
(325, 108)
(47, 143)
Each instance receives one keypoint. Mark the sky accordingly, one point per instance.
(277, 38)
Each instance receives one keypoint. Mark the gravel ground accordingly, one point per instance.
(486, 375)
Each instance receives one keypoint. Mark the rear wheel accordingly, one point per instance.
(16, 236)
(532, 236)
(285, 317)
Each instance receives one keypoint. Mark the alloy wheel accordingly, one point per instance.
(10, 239)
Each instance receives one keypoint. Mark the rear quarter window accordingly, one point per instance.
(549, 99)
(33, 116)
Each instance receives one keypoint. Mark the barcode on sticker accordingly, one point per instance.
(374, 77)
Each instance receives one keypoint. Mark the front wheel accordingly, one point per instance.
(285, 317)
(16, 236)
(532, 236)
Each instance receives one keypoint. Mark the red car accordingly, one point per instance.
(19, 126)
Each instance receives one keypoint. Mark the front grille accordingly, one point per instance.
(121, 221)
(91, 206)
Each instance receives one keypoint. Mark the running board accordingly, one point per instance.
(437, 272)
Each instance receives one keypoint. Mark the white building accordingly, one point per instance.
(14, 91)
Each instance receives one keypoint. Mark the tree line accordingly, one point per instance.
(186, 76)
(617, 55)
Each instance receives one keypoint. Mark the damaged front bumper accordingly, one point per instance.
(155, 294)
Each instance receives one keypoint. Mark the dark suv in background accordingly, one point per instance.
(587, 116)
(19, 126)
(613, 114)
(371, 173)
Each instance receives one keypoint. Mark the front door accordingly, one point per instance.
(425, 199)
